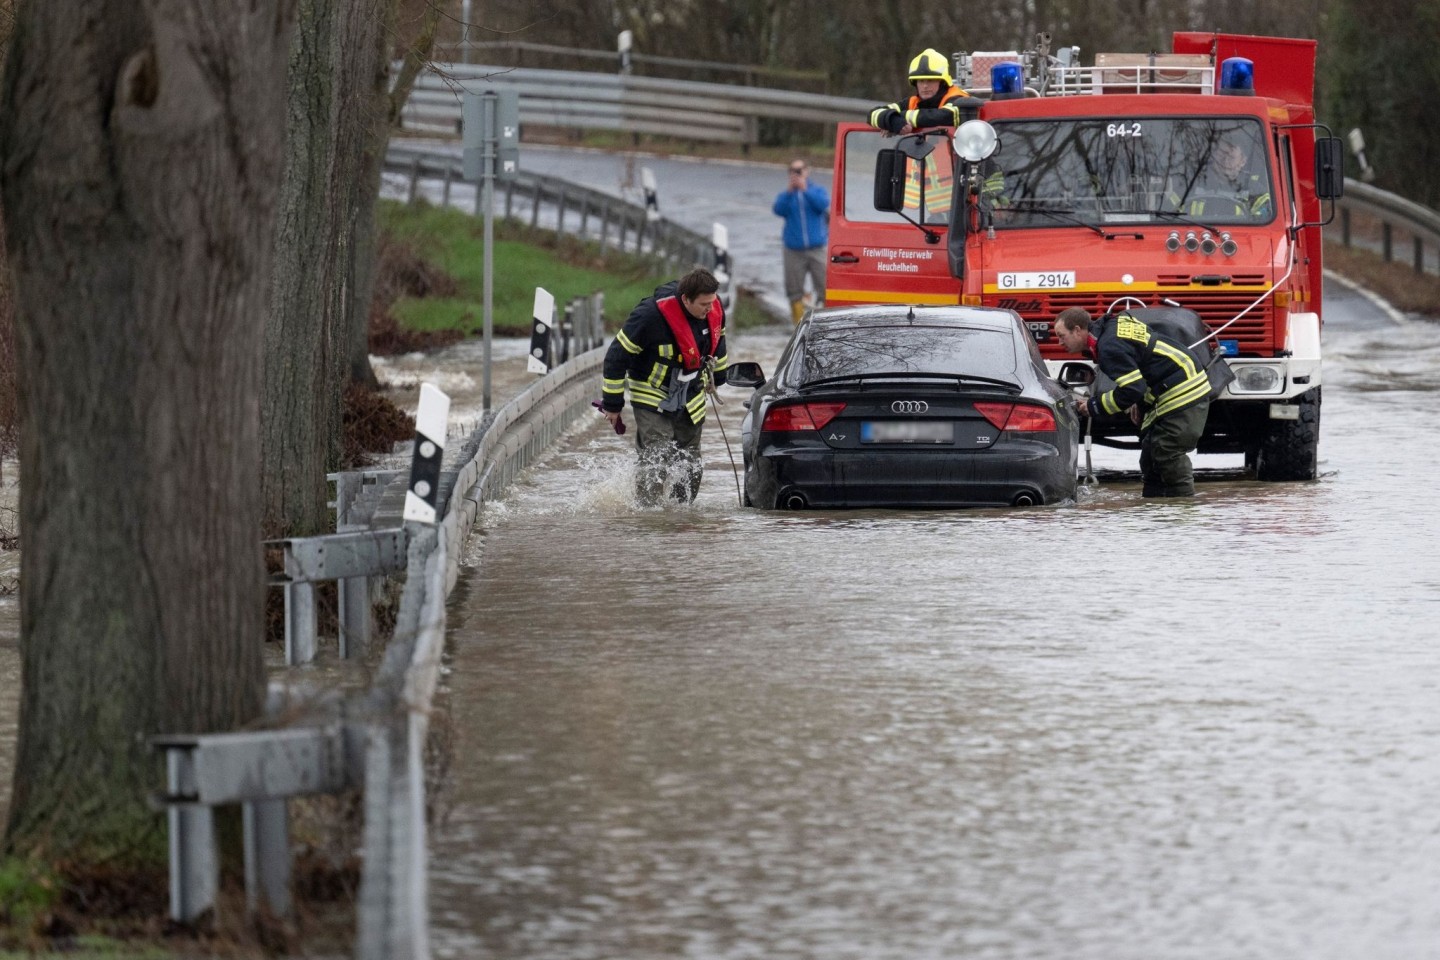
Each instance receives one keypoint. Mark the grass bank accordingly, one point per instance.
(1396, 282)
(442, 251)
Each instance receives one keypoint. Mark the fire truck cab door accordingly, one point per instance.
(877, 256)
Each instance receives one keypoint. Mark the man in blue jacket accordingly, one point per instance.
(806, 208)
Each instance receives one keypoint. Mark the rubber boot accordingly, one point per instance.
(797, 310)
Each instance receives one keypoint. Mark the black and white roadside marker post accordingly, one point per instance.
(720, 237)
(652, 196)
(540, 340)
(624, 42)
(430, 421)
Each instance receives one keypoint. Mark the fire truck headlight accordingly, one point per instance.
(975, 140)
(1256, 378)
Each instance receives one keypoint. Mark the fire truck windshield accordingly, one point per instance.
(1129, 170)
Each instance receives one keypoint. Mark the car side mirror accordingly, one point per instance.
(1329, 168)
(747, 375)
(889, 181)
(1075, 374)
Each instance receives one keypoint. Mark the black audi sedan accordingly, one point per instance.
(896, 406)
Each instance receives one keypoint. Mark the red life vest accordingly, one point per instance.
(679, 321)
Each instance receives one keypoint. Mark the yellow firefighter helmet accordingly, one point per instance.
(930, 65)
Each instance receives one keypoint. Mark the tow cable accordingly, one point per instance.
(715, 403)
(1089, 469)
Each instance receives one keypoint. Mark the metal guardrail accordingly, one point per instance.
(546, 54)
(578, 210)
(1372, 218)
(392, 911)
(692, 109)
(375, 740)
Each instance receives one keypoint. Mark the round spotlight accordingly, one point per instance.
(1207, 244)
(1227, 245)
(1192, 242)
(975, 140)
(1172, 242)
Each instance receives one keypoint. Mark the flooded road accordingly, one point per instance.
(1110, 729)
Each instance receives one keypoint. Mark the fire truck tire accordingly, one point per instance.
(1290, 450)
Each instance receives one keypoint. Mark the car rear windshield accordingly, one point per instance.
(845, 351)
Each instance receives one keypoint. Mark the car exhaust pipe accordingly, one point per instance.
(795, 502)
(1025, 498)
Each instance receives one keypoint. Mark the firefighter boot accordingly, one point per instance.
(797, 310)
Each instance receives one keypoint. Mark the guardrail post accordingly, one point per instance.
(604, 226)
(299, 623)
(1386, 240)
(354, 616)
(535, 207)
(445, 188)
(597, 315)
(1419, 254)
(414, 180)
(1345, 226)
(584, 214)
(567, 328)
(194, 867)
(560, 210)
(267, 856)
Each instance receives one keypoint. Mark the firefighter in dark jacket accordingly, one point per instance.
(1159, 381)
(669, 354)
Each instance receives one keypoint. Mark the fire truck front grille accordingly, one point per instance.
(1254, 331)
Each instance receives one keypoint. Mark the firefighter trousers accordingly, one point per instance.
(1165, 452)
(668, 456)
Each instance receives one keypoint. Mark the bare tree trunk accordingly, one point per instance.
(141, 148)
(383, 113)
(378, 109)
(320, 246)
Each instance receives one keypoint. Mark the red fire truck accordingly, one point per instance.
(1116, 186)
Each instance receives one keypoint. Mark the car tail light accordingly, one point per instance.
(1020, 417)
(800, 416)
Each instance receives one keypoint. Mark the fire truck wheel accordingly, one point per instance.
(1289, 450)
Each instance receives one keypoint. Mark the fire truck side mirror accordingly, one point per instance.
(890, 180)
(1329, 168)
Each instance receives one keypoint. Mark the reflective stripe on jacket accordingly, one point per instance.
(1148, 368)
(646, 358)
(892, 117)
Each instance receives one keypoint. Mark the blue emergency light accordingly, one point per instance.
(1237, 77)
(1230, 348)
(1007, 81)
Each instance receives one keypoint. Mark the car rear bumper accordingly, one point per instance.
(1023, 473)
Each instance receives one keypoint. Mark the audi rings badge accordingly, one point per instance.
(909, 406)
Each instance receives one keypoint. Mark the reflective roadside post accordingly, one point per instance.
(623, 43)
(542, 322)
(652, 195)
(431, 417)
(491, 140)
(720, 238)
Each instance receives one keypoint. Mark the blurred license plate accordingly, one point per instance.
(907, 431)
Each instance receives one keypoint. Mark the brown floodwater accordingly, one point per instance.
(1113, 729)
